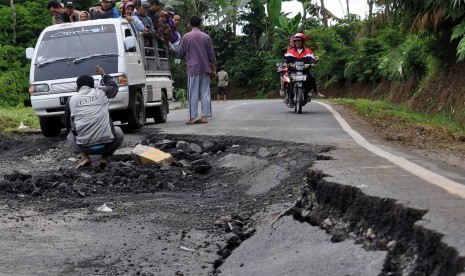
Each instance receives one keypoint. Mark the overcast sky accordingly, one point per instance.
(337, 7)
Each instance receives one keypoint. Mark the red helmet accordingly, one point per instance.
(300, 37)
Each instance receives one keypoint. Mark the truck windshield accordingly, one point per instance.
(73, 52)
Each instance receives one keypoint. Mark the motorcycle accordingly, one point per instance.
(296, 88)
(293, 78)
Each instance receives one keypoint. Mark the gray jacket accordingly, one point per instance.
(149, 25)
(87, 114)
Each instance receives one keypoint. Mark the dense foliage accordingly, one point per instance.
(31, 17)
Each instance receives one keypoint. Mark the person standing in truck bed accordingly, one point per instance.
(108, 11)
(148, 31)
(155, 5)
(70, 14)
(135, 22)
(56, 10)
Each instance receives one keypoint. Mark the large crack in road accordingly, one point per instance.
(195, 217)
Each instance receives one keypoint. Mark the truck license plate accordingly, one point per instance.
(64, 100)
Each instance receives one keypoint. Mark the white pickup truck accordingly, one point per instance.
(66, 51)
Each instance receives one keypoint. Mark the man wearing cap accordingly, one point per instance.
(149, 31)
(153, 12)
(108, 11)
(70, 14)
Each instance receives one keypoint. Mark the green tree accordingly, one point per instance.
(438, 15)
(254, 13)
(14, 77)
(31, 19)
(335, 46)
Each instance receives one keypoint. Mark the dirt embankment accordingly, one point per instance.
(444, 92)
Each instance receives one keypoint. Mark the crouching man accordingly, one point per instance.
(91, 130)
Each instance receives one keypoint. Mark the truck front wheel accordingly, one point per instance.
(136, 114)
(160, 113)
(50, 126)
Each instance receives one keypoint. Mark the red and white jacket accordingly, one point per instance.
(306, 55)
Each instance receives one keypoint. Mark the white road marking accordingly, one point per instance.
(235, 105)
(425, 174)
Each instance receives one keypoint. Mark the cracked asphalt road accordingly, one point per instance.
(233, 219)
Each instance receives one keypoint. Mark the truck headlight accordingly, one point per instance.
(119, 79)
(43, 87)
(122, 80)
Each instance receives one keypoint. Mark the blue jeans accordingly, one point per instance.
(199, 86)
(106, 150)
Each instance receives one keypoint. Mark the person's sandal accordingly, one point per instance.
(85, 162)
(104, 161)
(201, 122)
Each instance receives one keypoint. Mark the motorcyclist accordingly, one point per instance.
(300, 53)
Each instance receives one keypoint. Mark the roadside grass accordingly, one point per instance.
(12, 117)
(181, 95)
(403, 118)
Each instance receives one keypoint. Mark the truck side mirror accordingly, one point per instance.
(29, 52)
(130, 43)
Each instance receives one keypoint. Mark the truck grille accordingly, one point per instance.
(68, 86)
(149, 93)
(64, 87)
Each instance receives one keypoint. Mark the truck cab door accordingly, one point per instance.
(133, 60)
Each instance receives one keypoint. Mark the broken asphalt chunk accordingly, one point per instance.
(144, 155)
(200, 166)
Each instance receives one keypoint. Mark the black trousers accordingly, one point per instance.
(311, 84)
